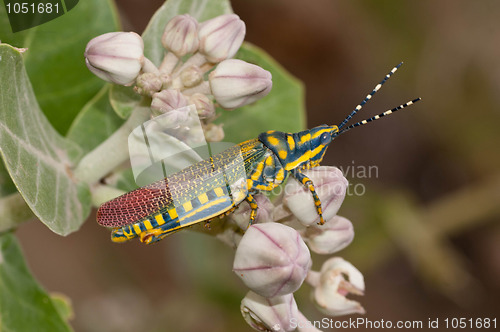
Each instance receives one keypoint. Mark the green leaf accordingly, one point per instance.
(54, 59)
(202, 10)
(96, 122)
(13, 211)
(38, 159)
(6, 185)
(62, 303)
(24, 305)
(282, 109)
(13, 208)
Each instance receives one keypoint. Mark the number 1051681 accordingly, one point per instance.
(32, 8)
(470, 323)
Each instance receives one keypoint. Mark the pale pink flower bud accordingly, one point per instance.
(330, 185)
(115, 57)
(272, 259)
(177, 118)
(269, 314)
(221, 37)
(167, 100)
(236, 83)
(337, 279)
(204, 106)
(148, 84)
(336, 234)
(214, 132)
(165, 79)
(181, 35)
(265, 212)
(191, 76)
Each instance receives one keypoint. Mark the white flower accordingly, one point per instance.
(269, 314)
(221, 37)
(336, 234)
(330, 185)
(181, 35)
(115, 57)
(236, 83)
(337, 279)
(272, 259)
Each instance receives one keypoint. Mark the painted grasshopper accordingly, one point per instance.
(216, 185)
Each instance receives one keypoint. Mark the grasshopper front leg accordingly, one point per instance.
(309, 184)
(253, 206)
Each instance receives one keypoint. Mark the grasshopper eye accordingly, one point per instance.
(325, 138)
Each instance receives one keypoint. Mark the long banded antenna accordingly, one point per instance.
(376, 117)
(369, 96)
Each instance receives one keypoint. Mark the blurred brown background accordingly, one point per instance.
(428, 237)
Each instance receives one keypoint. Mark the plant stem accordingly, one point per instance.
(112, 152)
(196, 59)
(203, 88)
(169, 62)
(149, 67)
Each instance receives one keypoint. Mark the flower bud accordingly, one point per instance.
(336, 234)
(148, 84)
(165, 79)
(330, 185)
(221, 37)
(272, 259)
(116, 57)
(269, 314)
(181, 35)
(241, 216)
(337, 279)
(204, 106)
(214, 133)
(236, 83)
(191, 76)
(167, 100)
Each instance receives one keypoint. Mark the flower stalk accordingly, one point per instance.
(111, 153)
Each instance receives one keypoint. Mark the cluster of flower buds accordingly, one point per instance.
(186, 75)
(273, 256)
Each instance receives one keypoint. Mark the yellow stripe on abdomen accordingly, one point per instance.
(219, 192)
(203, 198)
(159, 219)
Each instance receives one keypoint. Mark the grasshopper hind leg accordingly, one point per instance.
(254, 207)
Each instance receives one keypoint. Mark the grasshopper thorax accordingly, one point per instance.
(302, 149)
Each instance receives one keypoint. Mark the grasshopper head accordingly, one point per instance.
(318, 139)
